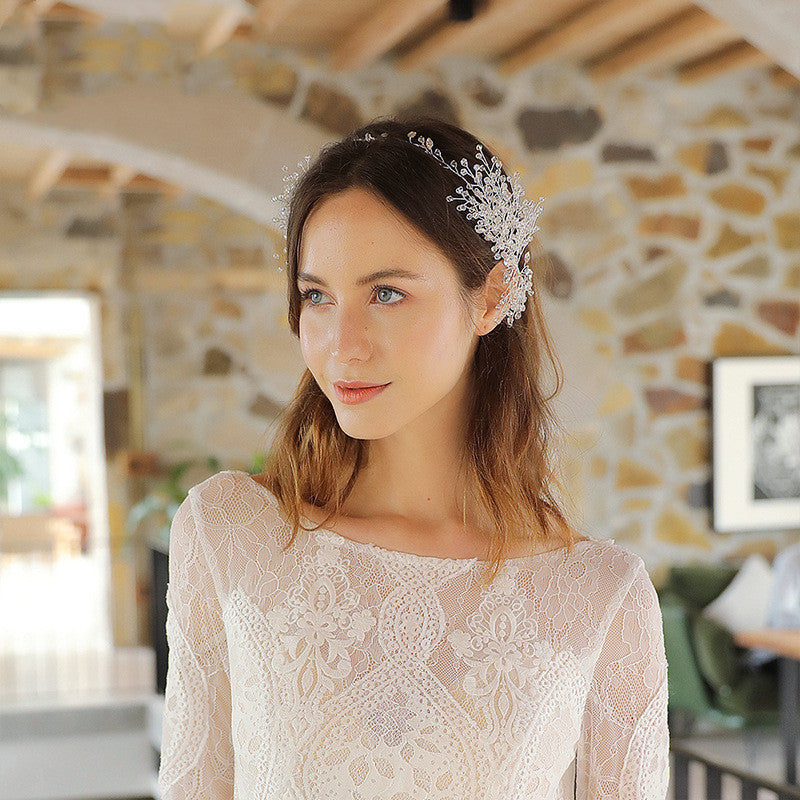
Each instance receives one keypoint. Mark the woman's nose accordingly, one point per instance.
(350, 337)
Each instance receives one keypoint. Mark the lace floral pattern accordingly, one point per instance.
(340, 669)
(506, 665)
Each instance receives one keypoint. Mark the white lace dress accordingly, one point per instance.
(342, 669)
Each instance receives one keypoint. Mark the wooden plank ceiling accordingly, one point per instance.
(607, 38)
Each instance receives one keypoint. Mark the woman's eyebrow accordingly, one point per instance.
(396, 272)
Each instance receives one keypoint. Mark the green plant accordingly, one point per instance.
(42, 500)
(162, 502)
(10, 467)
(165, 498)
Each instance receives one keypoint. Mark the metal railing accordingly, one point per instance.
(749, 784)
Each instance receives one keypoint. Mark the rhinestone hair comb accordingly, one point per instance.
(503, 216)
(283, 199)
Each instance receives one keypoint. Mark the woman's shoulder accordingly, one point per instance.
(608, 555)
(571, 537)
(231, 494)
(228, 480)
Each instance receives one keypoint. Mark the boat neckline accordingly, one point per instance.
(386, 552)
(389, 553)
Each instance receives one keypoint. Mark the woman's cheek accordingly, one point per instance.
(309, 337)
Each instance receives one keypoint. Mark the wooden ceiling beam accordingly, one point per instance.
(118, 176)
(99, 178)
(782, 77)
(33, 10)
(220, 29)
(7, 9)
(146, 183)
(48, 9)
(381, 31)
(690, 35)
(737, 56)
(271, 13)
(514, 17)
(47, 174)
(106, 180)
(592, 30)
(245, 31)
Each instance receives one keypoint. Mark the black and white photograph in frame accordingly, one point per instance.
(756, 443)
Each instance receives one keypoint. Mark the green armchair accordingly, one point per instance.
(709, 678)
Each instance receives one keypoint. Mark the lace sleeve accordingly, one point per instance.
(623, 750)
(196, 749)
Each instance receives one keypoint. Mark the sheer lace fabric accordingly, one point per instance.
(341, 669)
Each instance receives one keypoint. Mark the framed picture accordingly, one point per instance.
(756, 442)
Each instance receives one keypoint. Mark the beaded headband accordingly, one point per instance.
(503, 216)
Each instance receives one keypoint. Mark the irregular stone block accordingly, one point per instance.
(661, 334)
(549, 129)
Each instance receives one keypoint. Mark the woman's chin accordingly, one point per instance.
(363, 428)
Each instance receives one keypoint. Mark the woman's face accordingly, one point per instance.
(411, 333)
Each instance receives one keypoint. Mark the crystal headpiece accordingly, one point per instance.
(283, 199)
(503, 216)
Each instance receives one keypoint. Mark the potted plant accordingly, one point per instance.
(10, 466)
(161, 504)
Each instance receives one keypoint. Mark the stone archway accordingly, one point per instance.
(218, 144)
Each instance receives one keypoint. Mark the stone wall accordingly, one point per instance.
(672, 221)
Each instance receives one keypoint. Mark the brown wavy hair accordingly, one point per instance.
(509, 438)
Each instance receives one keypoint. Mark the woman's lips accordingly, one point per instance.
(353, 396)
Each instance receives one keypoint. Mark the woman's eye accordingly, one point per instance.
(389, 290)
(307, 294)
(304, 295)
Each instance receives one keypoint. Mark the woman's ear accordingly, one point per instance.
(490, 296)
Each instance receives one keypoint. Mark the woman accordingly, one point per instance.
(439, 630)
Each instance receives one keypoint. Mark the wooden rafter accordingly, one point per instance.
(690, 35)
(784, 78)
(610, 36)
(592, 30)
(118, 176)
(505, 16)
(220, 29)
(272, 13)
(245, 31)
(33, 10)
(380, 32)
(48, 173)
(147, 183)
(737, 56)
(50, 10)
(81, 177)
(104, 179)
(99, 178)
(7, 9)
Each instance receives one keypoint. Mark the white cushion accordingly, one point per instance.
(743, 604)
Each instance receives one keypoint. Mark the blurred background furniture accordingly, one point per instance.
(785, 644)
(711, 680)
(39, 533)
